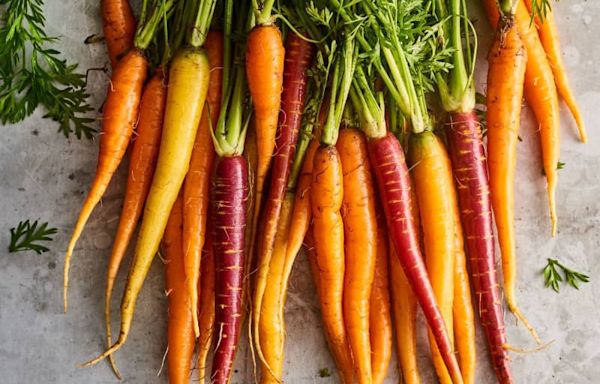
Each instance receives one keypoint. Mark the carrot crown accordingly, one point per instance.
(262, 11)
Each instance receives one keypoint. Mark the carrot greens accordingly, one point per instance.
(553, 278)
(28, 236)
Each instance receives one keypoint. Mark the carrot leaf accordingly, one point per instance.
(32, 74)
(28, 236)
(553, 277)
(540, 8)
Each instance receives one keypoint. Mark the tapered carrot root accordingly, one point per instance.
(432, 175)
(462, 311)
(470, 171)
(326, 199)
(380, 316)
(141, 168)
(548, 34)
(229, 197)
(180, 329)
(507, 62)
(405, 321)
(264, 69)
(197, 180)
(118, 24)
(297, 60)
(360, 246)
(182, 117)
(206, 310)
(119, 117)
(394, 188)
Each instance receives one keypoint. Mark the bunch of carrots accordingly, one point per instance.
(260, 128)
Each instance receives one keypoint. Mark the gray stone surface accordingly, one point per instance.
(45, 176)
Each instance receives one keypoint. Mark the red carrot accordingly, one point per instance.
(470, 170)
(228, 202)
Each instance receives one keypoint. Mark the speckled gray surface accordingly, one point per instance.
(45, 176)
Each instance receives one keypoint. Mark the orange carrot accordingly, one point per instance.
(432, 175)
(380, 317)
(326, 201)
(360, 246)
(119, 117)
(548, 34)
(506, 75)
(180, 329)
(118, 24)
(141, 168)
(206, 315)
(462, 311)
(197, 181)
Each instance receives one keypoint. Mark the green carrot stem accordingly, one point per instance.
(262, 11)
(201, 25)
(146, 31)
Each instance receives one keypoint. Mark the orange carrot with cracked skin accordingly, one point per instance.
(119, 117)
(180, 329)
(405, 321)
(541, 95)
(118, 24)
(141, 168)
(380, 316)
(326, 200)
(432, 175)
(506, 74)
(197, 181)
(360, 246)
(462, 310)
(548, 34)
(206, 310)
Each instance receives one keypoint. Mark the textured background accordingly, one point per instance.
(45, 176)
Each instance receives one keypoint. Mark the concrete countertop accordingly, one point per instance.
(45, 176)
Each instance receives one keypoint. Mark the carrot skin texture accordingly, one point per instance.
(380, 316)
(432, 176)
(180, 329)
(360, 246)
(197, 181)
(326, 199)
(405, 321)
(394, 188)
(206, 310)
(118, 24)
(118, 121)
(141, 168)
(548, 34)
(228, 210)
(469, 164)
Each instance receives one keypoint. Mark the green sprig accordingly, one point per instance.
(27, 236)
(553, 278)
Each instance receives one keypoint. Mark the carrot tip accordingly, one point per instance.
(520, 317)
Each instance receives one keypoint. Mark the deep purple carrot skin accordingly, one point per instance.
(470, 171)
(298, 57)
(228, 208)
(394, 186)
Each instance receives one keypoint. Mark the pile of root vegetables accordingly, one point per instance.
(348, 128)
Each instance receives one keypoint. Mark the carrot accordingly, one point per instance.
(229, 195)
(297, 60)
(541, 95)
(360, 246)
(206, 315)
(394, 188)
(462, 311)
(432, 175)
(548, 34)
(141, 168)
(188, 84)
(326, 200)
(197, 181)
(380, 317)
(264, 67)
(470, 171)
(119, 117)
(405, 321)
(180, 329)
(118, 24)
(506, 74)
